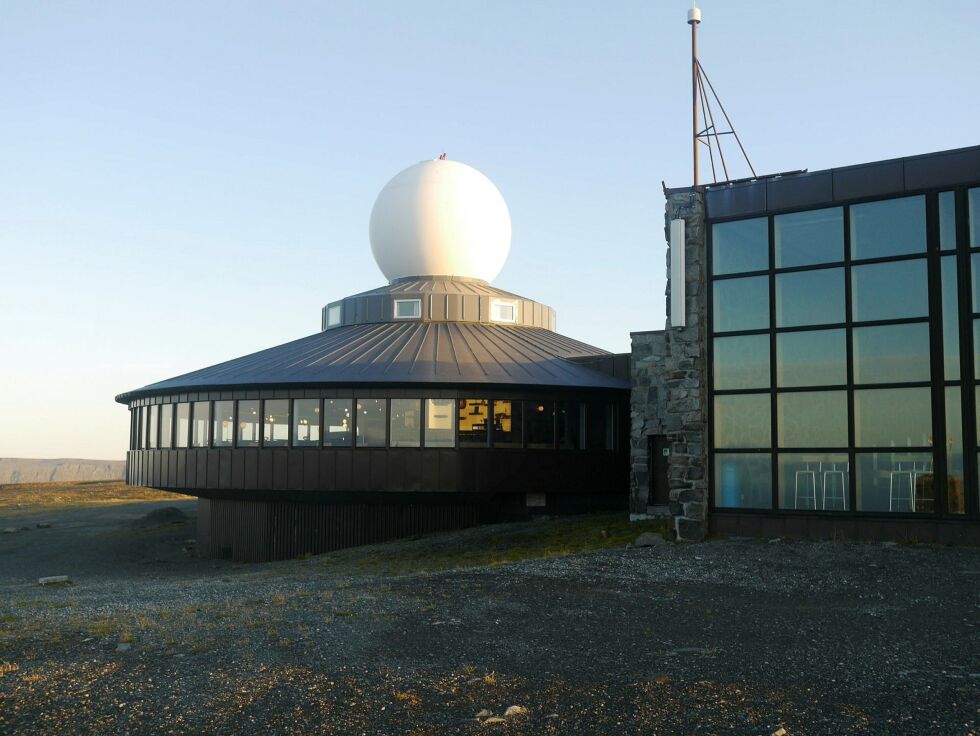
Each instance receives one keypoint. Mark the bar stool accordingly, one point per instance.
(806, 474)
(918, 470)
(895, 496)
(836, 473)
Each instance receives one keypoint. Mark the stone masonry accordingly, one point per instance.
(669, 388)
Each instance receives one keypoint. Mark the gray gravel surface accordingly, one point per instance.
(736, 636)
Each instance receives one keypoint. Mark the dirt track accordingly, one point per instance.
(739, 637)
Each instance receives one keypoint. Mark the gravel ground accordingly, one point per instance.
(727, 637)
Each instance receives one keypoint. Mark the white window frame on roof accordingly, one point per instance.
(496, 304)
(335, 314)
(416, 309)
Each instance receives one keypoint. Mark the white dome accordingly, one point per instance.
(440, 218)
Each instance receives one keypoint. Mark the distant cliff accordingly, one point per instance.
(26, 470)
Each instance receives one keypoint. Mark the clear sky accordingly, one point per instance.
(182, 183)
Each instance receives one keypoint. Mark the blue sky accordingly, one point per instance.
(186, 182)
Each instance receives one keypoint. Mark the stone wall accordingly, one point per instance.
(669, 388)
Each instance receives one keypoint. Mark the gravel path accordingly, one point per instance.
(739, 637)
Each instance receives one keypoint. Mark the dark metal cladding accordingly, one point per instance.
(405, 353)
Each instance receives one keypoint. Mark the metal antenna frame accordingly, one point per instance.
(701, 86)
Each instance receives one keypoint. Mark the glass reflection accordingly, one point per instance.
(742, 421)
(166, 425)
(141, 428)
(569, 419)
(507, 423)
(811, 358)
(275, 423)
(975, 268)
(440, 423)
(741, 304)
(947, 221)
(371, 422)
(741, 362)
(812, 419)
(805, 238)
(889, 291)
(810, 297)
(154, 427)
(473, 416)
(895, 482)
(306, 422)
(199, 423)
(224, 424)
(893, 417)
(955, 486)
(951, 320)
(183, 424)
(540, 417)
(248, 423)
(743, 481)
(406, 423)
(891, 353)
(338, 422)
(973, 220)
(814, 481)
(742, 245)
(889, 227)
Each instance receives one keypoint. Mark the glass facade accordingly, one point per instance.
(224, 424)
(275, 423)
(370, 422)
(306, 422)
(338, 424)
(406, 423)
(249, 422)
(839, 337)
(182, 425)
(200, 420)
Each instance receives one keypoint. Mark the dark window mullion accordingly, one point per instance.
(849, 348)
(937, 366)
(773, 415)
(967, 368)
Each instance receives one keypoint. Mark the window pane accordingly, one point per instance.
(275, 429)
(540, 424)
(610, 410)
(406, 423)
(812, 419)
(337, 422)
(507, 423)
(804, 238)
(371, 422)
(140, 428)
(166, 425)
(154, 425)
(811, 358)
(248, 423)
(306, 422)
(889, 291)
(810, 297)
(741, 362)
(200, 421)
(814, 481)
(224, 424)
(741, 304)
(408, 308)
(975, 268)
(893, 417)
(976, 347)
(891, 353)
(474, 422)
(570, 434)
(742, 421)
(440, 423)
(955, 487)
(888, 228)
(973, 208)
(743, 481)
(740, 246)
(951, 320)
(183, 424)
(895, 482)
(947, 221)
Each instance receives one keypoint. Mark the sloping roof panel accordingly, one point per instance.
(405, 352)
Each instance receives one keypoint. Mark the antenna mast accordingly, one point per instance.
(701, 88)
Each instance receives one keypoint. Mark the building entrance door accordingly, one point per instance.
(658, 452)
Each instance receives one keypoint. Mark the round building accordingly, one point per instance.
(436, 401)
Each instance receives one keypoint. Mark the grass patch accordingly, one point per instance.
(30, 498)
(498, 544)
